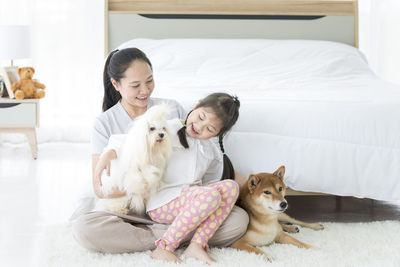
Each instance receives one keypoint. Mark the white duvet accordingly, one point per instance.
(313, 106)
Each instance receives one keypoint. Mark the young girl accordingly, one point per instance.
(183, 201)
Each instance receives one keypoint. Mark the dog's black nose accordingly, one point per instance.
(161, 135)
(283, 205)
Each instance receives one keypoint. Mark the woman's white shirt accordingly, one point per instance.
(200, 164)
(114, 121)
(117, 121)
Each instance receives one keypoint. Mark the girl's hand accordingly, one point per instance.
(239, 179)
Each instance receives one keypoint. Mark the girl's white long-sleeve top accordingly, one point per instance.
(200, 164)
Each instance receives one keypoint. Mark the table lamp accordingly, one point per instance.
(15, 44)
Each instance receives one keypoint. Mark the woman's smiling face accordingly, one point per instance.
(137, 84)
(203, 123)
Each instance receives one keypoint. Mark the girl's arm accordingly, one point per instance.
(239, 179)
(99, 164)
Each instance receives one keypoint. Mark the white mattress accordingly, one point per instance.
(313, 106)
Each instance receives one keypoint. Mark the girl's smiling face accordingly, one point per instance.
(137, 84)
(203, 123)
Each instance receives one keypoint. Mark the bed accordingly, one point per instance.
(314, 106)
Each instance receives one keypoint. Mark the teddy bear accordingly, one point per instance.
(26, 87)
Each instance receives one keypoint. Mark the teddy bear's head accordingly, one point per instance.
(26, 72)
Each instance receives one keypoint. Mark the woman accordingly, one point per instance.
(128, 84)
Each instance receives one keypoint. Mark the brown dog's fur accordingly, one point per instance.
(263, 199)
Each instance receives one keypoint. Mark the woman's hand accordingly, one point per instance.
(104, 163)
(99, 164)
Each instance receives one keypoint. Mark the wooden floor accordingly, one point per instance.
(341, 209)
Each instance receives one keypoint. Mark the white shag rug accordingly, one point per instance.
(339, 244)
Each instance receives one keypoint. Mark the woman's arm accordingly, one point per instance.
(99, 164)
(239, 179)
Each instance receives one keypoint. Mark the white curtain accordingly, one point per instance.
(380, 36)
(67, 44)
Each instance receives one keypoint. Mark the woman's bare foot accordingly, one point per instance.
(196, 251)
(165, 255)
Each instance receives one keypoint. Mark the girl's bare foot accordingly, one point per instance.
(196, 251)
(165, 255)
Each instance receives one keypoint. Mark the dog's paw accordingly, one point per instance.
(122, 211)
(268, 258)
(119, 210)
(317, 226)
(137, 204)
(290, 228)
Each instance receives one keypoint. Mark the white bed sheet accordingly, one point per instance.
(313, 106)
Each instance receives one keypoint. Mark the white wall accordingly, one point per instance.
(67, 42)
(380, 36)
(68, 46)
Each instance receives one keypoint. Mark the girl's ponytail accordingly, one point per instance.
(182, 134)
(231, 107)
(228, 171)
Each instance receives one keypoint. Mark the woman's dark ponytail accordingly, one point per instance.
(116, 64)
(111, 96)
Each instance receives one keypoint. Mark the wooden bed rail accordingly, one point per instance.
(291, 192)
(235, 7)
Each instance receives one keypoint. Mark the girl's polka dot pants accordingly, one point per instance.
(202, 208)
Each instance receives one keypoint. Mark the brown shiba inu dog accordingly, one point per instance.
(264, 200)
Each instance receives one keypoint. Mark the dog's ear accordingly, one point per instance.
(252, 183)
(280, 172)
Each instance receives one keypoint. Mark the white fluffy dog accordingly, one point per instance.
(140, 163)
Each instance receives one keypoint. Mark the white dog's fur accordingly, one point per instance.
(139, 168)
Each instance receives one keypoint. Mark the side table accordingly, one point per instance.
(21, 116)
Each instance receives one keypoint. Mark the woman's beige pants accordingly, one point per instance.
(111, 233)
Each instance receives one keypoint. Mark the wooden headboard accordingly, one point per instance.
(333, 8)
